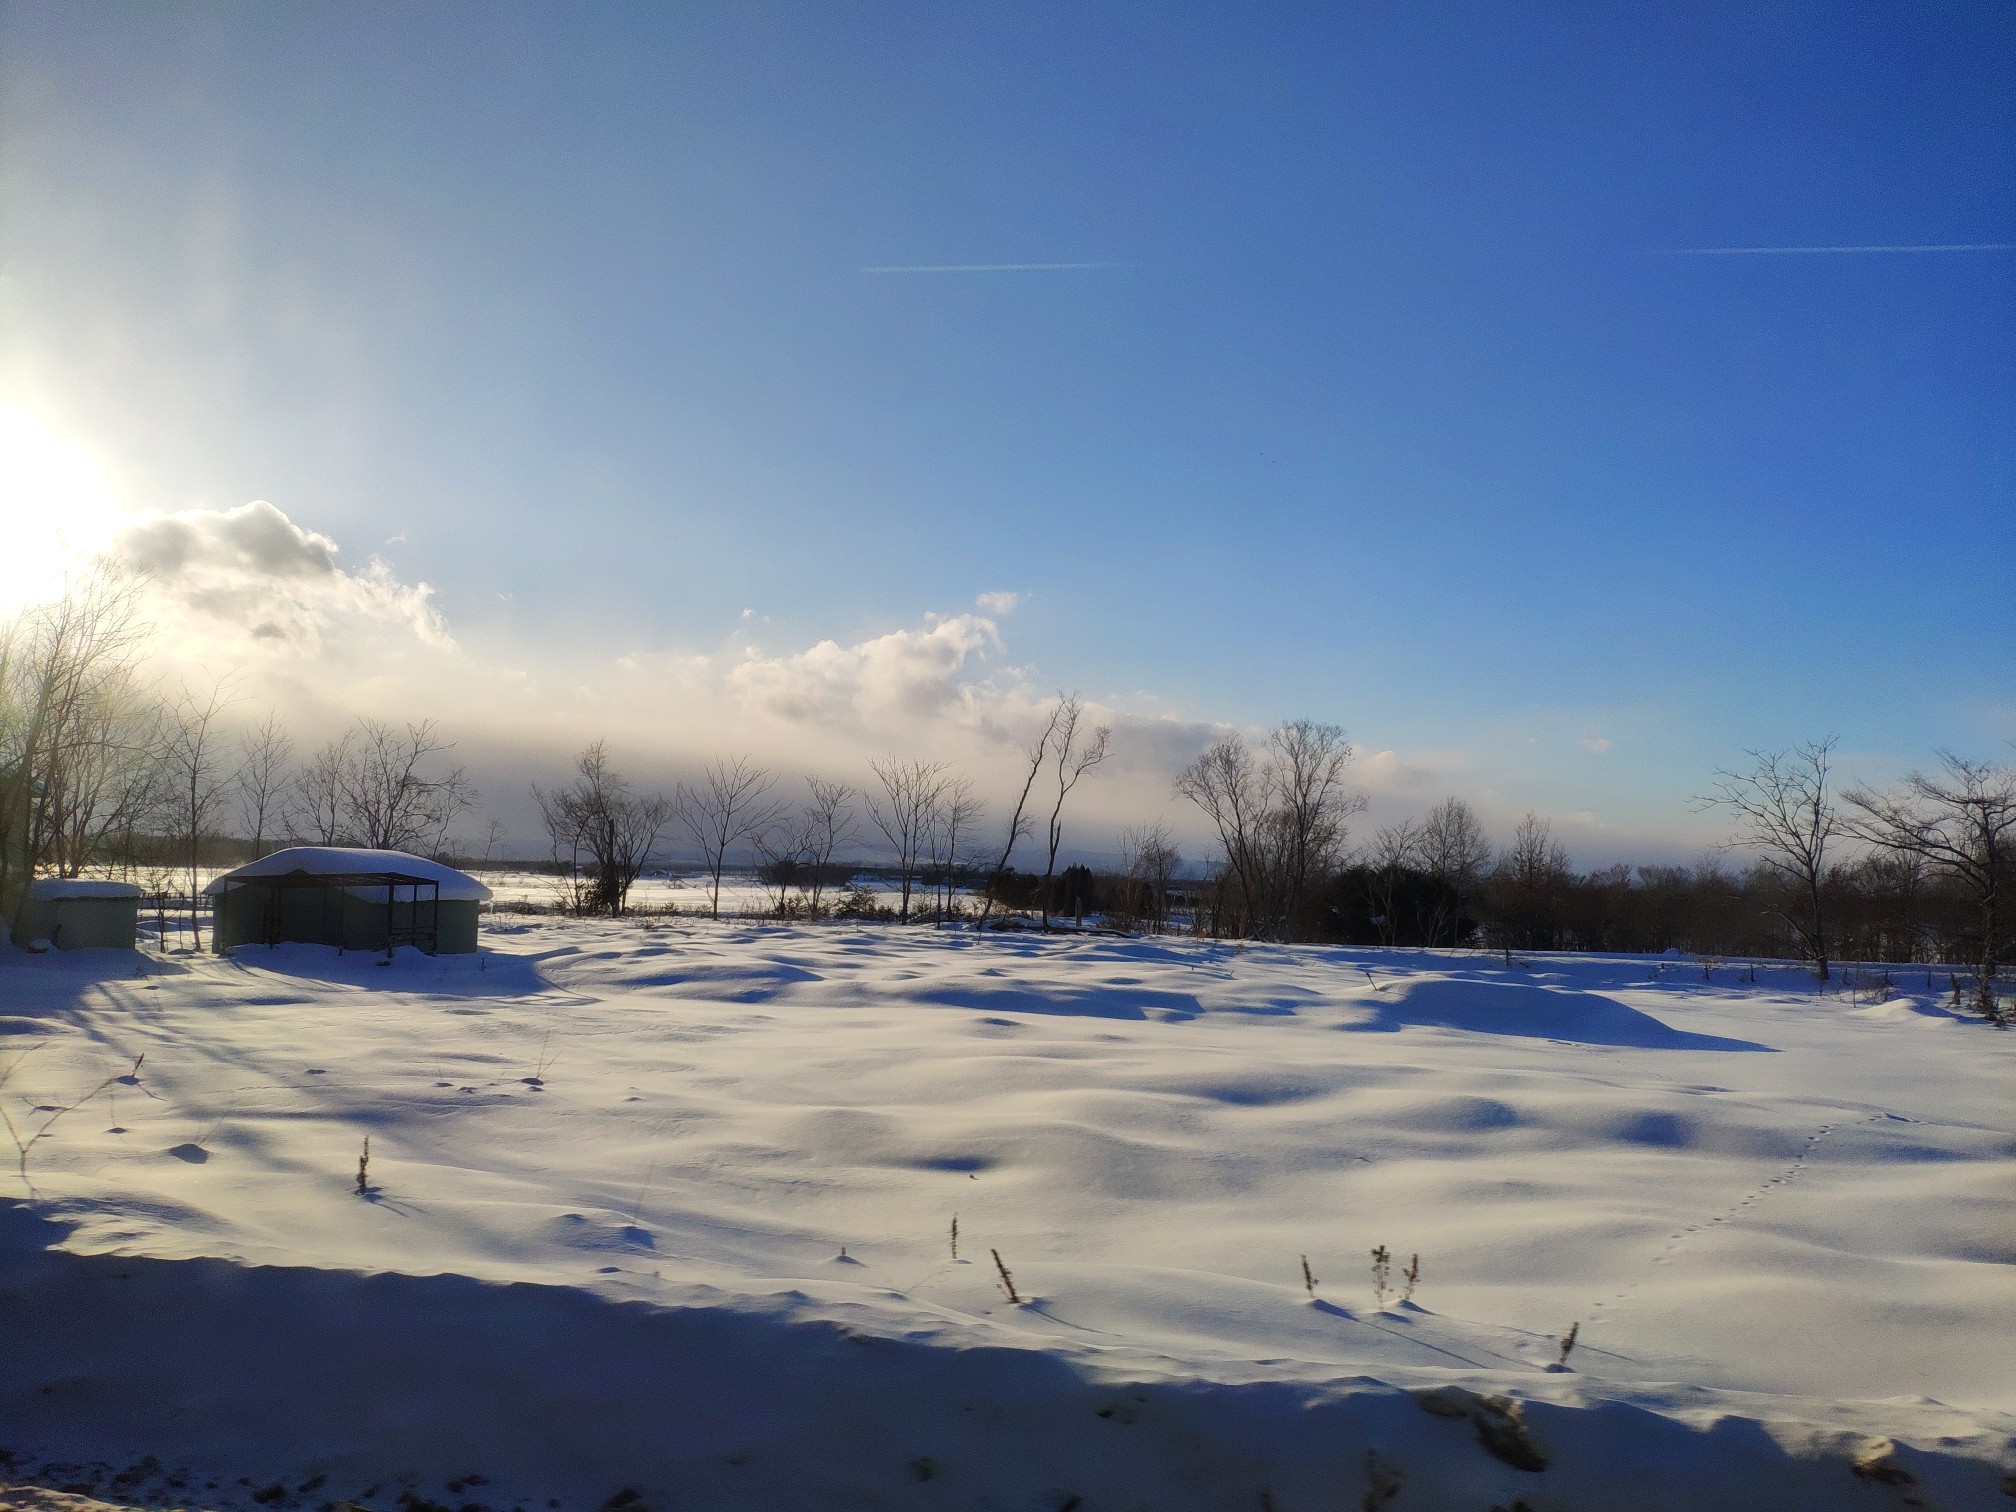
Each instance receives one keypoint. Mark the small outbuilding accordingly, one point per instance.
(79, 913)
(353, 899)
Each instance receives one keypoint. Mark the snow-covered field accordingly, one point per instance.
(690, 893)
(668, 1210)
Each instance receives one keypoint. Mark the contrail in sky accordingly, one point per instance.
(1782, 251)
(990, 267)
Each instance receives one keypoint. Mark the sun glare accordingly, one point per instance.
(59, 504)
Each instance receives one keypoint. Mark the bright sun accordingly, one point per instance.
(59, 504)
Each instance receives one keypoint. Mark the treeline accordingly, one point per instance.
(1919, 873)
(101, 770)
(603, 830)
(1883, 911)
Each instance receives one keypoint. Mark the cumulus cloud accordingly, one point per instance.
(253, 573)
(998, 603)
(903, 677)
(254, 538)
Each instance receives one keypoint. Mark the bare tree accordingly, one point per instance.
(102, 784)
(1074, 752)
(1311, 803)
(1019, 823)
(600, 816)
(1149, 858)
(730, 804)
(1455, 852)
(379, 787)
(780, 862)
(390, 800)
(1960, 821)
(264, 754)
(1227, 783)
(198, 766)
(903, 813)
(1394, 852)
(63, 666)
(826, 822)
(954, 817)
(1531, 880)
(1785, 813)
(314, 798)
(1281, 819)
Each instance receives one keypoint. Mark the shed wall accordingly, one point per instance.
(330, 916)
(82, 923)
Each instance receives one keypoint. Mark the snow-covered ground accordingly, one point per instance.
(668, 1210)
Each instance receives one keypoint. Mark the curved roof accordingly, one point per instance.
(344, 861)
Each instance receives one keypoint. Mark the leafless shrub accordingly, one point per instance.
(599, 817)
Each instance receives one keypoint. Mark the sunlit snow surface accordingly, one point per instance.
(1763, 1206)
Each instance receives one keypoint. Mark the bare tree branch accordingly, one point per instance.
(1785, 814)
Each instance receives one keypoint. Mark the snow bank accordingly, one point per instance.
(1524, 1008)
(670, 1210)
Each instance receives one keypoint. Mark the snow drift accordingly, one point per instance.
(670, 1210)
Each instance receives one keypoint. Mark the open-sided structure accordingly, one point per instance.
(349, 898)
(77, 913)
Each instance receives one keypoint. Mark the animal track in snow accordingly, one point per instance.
(1680, 1236)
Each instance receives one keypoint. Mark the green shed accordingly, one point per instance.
(351, 898)
(80, 913)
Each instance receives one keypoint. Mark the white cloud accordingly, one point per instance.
(998, 603)
(902, 678)
(250, 591)
(253, 577)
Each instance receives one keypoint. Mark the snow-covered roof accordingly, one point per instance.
(51, 888)
(344, 861)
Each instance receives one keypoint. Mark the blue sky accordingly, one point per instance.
(1397, 401)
